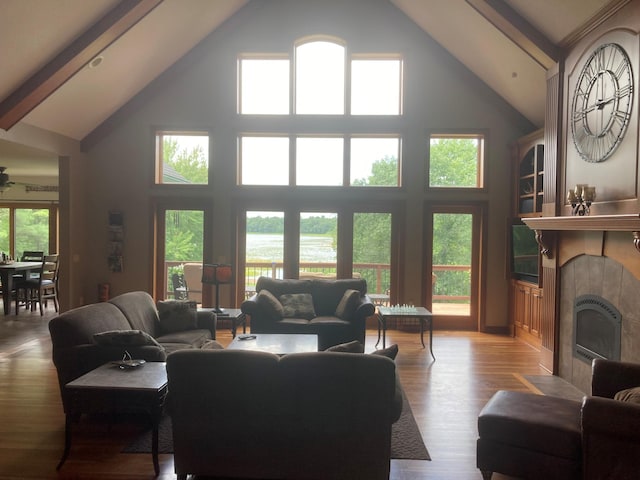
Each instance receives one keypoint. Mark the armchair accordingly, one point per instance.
(611, 428)
(533, 436)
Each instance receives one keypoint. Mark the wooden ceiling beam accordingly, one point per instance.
(73, 58)
(518, 30)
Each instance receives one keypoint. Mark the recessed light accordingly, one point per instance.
(96, 61)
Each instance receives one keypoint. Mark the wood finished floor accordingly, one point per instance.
(445, 395)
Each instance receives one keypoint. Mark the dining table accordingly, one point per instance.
(7, 272)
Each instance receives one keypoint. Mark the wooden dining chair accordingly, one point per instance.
(40, 290)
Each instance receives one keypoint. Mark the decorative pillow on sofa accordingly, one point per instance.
(350, 347)
(348, 304)
(124, 338)
(297, 305)
(270, 304)
(356, 347)
(177, 315)
(631, 395)
(390, 352)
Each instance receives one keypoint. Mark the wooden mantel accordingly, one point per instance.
(601, 223)
(620, 223)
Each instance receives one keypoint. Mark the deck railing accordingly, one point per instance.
(377, 274)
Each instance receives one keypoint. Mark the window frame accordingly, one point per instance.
(158, 161)
(481, 165)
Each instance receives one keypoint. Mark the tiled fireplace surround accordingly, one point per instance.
(608, 278)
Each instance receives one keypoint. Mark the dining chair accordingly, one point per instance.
(45, 287)
(32, 256)
(18, 290)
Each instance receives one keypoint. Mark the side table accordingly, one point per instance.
(110, 389)
(233, 315)
(421, 313)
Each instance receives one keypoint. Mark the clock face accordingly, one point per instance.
(602, 103)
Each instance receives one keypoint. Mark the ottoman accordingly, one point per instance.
(530, 436)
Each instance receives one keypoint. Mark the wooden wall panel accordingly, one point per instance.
(548, 330)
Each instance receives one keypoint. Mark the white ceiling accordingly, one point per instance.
(32, 32)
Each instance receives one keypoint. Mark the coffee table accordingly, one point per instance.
(278, 343)
(111, 389)
(422, 314)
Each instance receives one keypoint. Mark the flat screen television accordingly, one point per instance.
(525, 253)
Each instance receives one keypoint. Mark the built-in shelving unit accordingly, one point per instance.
(530, 181)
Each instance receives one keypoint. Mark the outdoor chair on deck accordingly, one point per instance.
(180, 289)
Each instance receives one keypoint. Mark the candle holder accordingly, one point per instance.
(581, 198)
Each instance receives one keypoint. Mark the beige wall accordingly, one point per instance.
(199, 92)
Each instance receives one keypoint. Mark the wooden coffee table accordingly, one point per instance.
(278, 343)
(109, 389)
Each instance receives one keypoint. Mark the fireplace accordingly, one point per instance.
(597, 329)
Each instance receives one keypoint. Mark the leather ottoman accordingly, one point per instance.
(530, 436)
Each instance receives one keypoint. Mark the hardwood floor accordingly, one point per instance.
(445, 395)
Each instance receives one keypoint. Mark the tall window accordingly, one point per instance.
(31, 228)
(456, 161)
(264, 247)
(320, 78)
(376, 87)
(325, 153)
(264, 86)
(265, 160)
(318, 249)
(182, 240)
(372, 253)
(182, 158)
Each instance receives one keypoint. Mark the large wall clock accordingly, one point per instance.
(602, 102)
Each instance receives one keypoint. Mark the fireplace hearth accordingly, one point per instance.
(597, 329)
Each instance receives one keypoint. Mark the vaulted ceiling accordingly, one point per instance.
(49, 51)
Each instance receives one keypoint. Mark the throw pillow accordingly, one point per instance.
(350, 347)
(629, 395)
(270, 304)
(297, 305)
(348, 304)
(389, 352)
(177, 315)
(124, 338)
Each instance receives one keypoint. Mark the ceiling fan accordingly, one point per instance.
(5, 183)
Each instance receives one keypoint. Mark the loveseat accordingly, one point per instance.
(249, 414)
(335, 310)
(86, 337)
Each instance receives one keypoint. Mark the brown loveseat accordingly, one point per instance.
(336, 310)
(76, 350)
(248, 414)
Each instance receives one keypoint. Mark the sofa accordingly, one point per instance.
(249, 414)
(335, 310)
(86, 337)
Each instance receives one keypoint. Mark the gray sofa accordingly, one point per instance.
(80, 343)
(248, 414)
(333, 317)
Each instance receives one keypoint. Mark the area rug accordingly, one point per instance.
(406, 440)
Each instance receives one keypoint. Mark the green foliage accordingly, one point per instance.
(265, 225)
(384, 172)
(184, 234)
(316, 225)
(32, 230)
(191, 163)
(452, 246)
(453, 162)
